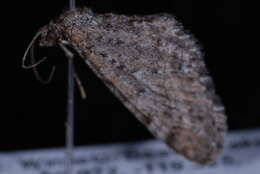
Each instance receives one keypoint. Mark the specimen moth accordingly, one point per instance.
(157, 71)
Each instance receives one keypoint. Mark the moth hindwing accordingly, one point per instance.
(157, 71)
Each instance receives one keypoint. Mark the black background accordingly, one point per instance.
(33, 114)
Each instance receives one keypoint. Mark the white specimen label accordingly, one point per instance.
(241, 156)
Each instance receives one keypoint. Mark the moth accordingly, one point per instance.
(155, 68)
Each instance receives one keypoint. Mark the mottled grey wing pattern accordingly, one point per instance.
(157, 70)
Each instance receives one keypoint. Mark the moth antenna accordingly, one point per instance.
(27, 50)
(35, 71)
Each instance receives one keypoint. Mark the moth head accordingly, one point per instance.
(50, 35)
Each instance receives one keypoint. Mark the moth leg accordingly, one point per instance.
(65, 42)
(80, 86)
(69, 54)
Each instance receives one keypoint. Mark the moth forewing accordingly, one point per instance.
(157, 71)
